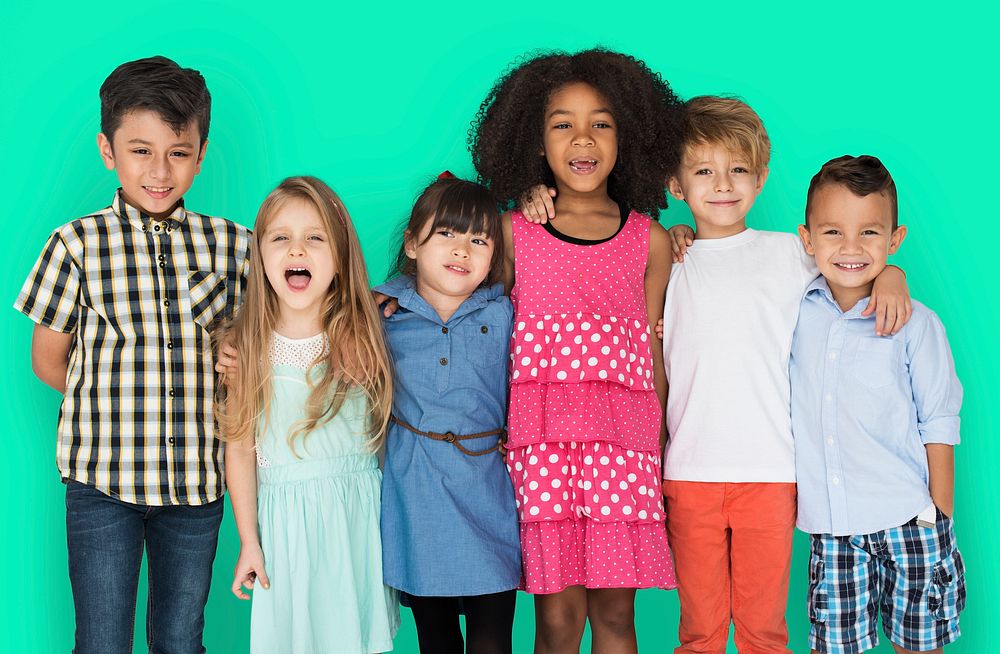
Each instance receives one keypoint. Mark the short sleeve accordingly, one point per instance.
(50, 295)
(937, 393)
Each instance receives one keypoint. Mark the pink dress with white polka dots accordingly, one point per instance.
(584, 418)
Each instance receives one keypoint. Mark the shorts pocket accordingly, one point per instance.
(207, 292)
(876, 362)
(819, 596)
(946, 597)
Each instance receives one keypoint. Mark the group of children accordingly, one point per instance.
(525, 440)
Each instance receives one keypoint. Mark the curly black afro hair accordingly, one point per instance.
(506, 136)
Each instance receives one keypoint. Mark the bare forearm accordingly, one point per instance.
(941, 468)
(241, 479)
(50, 356)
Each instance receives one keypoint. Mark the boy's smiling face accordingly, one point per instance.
(155, 165)
(851, 237)
(719, 186)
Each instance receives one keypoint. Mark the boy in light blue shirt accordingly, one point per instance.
(874, 421)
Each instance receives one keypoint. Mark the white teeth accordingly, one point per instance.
(851, 266)
(296, 269)
(156, 189)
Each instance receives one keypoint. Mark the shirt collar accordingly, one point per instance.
(819, 291)
(142, 220)
(404, 289)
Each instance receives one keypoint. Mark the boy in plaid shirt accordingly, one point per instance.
(124, 301)
(875, 420)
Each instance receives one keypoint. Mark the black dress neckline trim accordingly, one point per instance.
(587, 241)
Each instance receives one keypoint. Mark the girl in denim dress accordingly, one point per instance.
(449, 522)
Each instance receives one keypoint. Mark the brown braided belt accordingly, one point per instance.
(456, 440)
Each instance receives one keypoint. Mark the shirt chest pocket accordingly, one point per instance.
(876, 362)
(484, 345)
(207, 293)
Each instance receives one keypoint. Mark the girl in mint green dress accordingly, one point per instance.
(304, 414)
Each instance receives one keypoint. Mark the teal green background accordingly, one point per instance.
(376, 99)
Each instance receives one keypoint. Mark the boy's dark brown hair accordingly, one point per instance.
(460, 206)
(862, 176)
(177, 95)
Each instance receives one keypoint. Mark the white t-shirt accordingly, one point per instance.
(730, 312)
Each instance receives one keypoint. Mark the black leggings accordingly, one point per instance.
(489, 620)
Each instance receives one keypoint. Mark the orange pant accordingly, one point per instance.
(732, 546)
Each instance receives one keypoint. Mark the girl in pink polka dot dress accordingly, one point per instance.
(587, 388)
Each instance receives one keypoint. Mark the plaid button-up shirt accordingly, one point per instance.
(141, 298)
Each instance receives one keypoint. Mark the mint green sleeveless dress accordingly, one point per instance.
(318, 515)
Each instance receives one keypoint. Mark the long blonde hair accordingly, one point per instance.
(356, 356)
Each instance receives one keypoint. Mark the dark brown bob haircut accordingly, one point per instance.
(460, 206)
(862, 176)
(177, 95)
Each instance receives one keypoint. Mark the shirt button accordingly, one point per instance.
(444, 330)
(170, 392)
(443, 361)
(484, 329)
(829, 440)
(833, 355)
(171, 440)
(162, 257)
(145, 229)
(166, 303)
(836, 481)
(156, 228)
(828, 398)
(163, 265)
(170, 345)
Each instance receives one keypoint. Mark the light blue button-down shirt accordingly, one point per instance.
(863, 408)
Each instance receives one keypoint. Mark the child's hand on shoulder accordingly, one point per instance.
(890, 302)
(391, 303)
(249, 569)
(659, 329)
(537, 205)
(681, 238)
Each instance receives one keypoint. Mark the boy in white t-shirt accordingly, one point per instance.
(730, 312)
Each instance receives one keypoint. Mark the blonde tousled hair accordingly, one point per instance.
(356, 358)
(729, 122)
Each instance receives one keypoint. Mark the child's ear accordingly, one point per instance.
(806, 240)
(762, 177)
(675, 189)
(107, 153)
(409, 247)
(897, 239)
(201, 156)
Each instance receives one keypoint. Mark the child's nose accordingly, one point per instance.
(160, 168)
(583, 138)
(723, 183)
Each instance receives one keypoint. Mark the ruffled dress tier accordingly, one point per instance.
(584, 417)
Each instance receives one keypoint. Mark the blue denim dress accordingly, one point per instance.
(449, 523)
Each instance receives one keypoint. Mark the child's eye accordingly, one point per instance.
(703, 171)
(140, 151)
(481, 241)
(445, 232)
(869, 232)
(179, 154)
(561, 126)
(832, 232)
(740, 170)
(279, 237)
(603, 125)
(316, 237)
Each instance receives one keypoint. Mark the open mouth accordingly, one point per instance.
(298, 278)
(851, 267)
(457, 269)
(583, 166)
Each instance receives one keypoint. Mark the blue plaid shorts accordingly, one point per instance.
(913, 576)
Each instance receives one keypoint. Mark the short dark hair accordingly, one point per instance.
(862, 176)
(506, 136)
(458, 205)
(177, 95)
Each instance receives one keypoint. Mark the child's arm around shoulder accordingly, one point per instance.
(508, 252)
(657, 275)
(890, 301)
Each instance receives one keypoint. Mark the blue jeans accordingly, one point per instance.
(106, 538)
